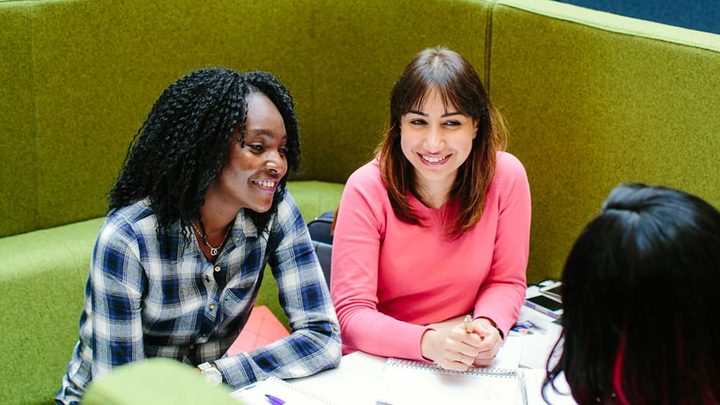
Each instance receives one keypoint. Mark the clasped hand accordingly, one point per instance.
(450, 346)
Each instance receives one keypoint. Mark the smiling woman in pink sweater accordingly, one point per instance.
(436, 227)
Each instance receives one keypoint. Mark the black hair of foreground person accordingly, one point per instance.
(641, 322)
(183, 143)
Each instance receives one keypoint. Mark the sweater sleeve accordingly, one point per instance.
(358, 235)
(503, 291)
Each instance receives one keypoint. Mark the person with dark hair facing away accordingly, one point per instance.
(436, 228)
(196, 212)
(640, 321)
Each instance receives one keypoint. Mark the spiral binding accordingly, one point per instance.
(494, 372)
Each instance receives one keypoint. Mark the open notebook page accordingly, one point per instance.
(411, 382)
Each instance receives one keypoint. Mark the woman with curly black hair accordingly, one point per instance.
(198, 209)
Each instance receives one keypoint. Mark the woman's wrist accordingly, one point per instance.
(427, 342)
(492, 323)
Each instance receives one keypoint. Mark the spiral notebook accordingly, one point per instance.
(276, 391)
(412, 382)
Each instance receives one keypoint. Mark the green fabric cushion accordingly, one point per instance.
(42, 279)
(18, 155)
(155, 382)
(593, 100)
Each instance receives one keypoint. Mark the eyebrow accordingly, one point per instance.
(448, 114)
(265, 133)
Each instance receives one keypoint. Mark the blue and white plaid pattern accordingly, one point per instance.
(147, 297)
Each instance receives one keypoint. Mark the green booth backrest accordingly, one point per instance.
(18, 167)
(86, 72)
(595, 99)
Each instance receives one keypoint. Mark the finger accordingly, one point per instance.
(468, 350)
(471, 339)
(486, 358)
(483, 362)
(466, 359)
(454, 365)
(489, 347)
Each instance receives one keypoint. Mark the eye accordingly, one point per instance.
(417, 121)
(256, 148)
(283, 150)
(453, 123)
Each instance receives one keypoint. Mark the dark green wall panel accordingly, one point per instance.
(360, 50)
(100, 65)
(591, 106)
(18, 195)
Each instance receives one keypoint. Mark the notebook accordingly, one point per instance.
(412, 382)
(276, 391)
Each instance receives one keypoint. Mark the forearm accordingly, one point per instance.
(501, 303)
(372, 332)
(304, 352)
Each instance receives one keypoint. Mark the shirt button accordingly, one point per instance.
(212, 307)
(191, 347)
(217, 269)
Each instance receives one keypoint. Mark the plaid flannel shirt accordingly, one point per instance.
(149, 297)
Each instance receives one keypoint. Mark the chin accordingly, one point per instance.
(262, 208)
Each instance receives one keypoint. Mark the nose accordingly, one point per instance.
(433, 140)
(275, 163)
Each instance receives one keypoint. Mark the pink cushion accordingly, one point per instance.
(262, 328)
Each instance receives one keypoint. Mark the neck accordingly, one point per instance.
(217, 216)
(434, 193)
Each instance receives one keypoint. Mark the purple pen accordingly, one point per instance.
(274, 400)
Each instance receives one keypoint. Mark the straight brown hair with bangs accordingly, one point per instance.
(454, 78)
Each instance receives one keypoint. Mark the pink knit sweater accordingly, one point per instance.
(390, 279)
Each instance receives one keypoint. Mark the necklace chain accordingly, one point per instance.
(213, 250)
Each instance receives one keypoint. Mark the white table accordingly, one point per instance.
(357, 380)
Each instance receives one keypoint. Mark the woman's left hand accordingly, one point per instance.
(491, 342)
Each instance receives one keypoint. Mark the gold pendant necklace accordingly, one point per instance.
(213, 250)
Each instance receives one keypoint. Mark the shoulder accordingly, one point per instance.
(508, 170)
(510, 184)
(128, 221)
(509, 165)
(367, 179)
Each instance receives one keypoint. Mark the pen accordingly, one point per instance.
(274, 400)
(468, 324)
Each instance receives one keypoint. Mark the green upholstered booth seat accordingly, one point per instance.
(591, 100)
(171, 383)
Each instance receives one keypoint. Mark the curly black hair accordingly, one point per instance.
(183, 143)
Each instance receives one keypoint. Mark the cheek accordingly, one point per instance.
(406, 146)
(241, 159)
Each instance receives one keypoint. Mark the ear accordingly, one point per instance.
(476, 124)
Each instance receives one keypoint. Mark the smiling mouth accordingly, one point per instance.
(265, 184)
(434, 160)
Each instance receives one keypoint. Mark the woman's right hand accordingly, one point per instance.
(450, 346)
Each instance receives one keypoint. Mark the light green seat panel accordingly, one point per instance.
(17, 145)
(315, 197)
(99, 66)
(593, 100)
(156, 382)
(42, 279)
(359, 50)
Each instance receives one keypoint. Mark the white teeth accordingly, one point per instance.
(265, 183)
(433, 159)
